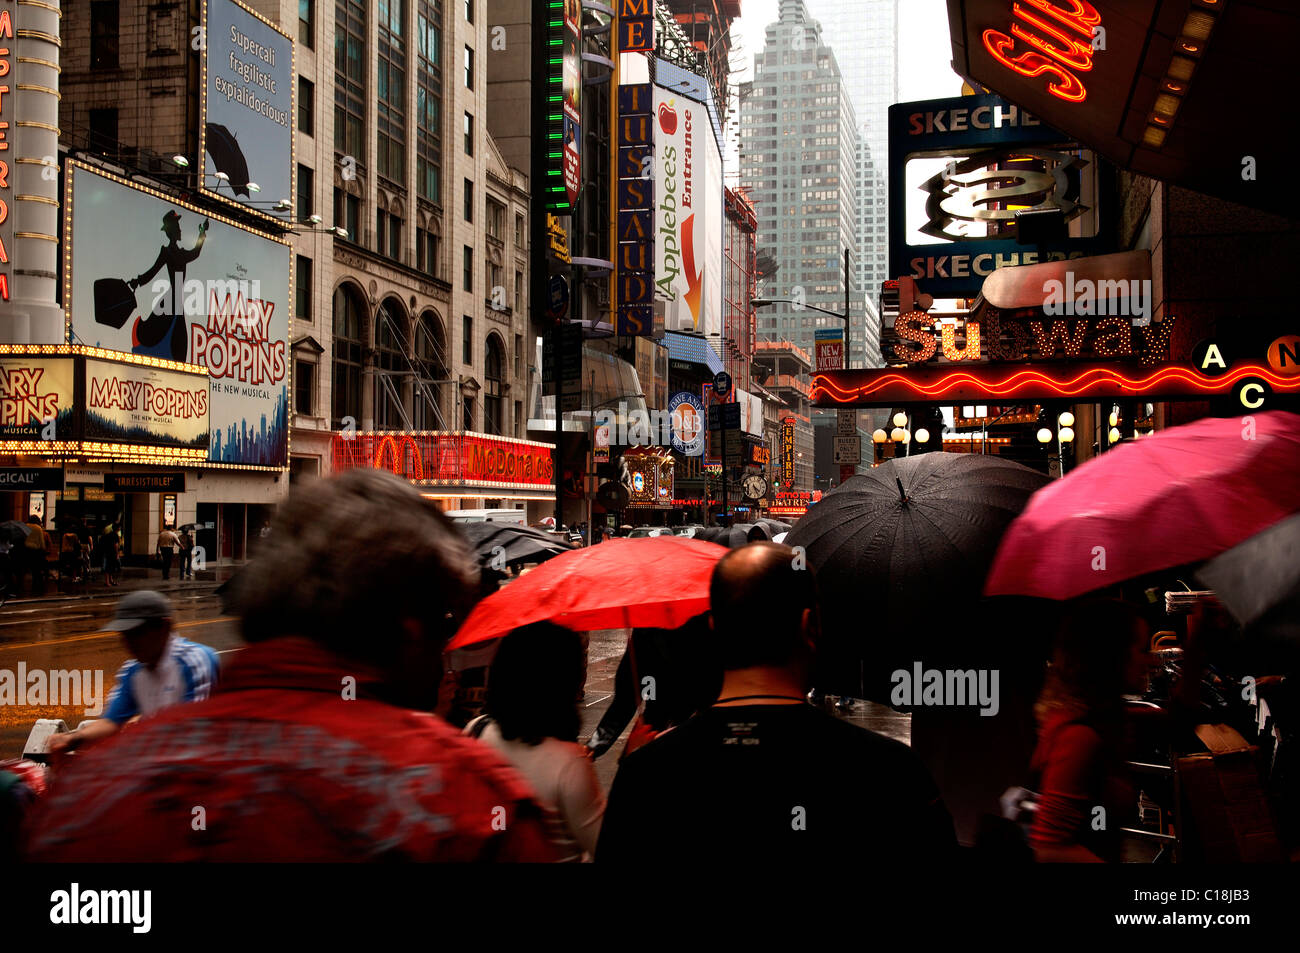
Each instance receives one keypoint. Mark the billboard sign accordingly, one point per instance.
(246, 109)
(636, 25)
(960, 171)
(36, 398)
(688, 215)
(787, 451)
(686, 413)
(205, 291)
(634, 270)
(830, 349)
(572, 73)
(134, 403)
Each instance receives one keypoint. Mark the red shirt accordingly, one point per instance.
(277, 766)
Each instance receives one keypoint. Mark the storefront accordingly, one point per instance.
(459, 470)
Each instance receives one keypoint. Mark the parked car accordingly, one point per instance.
(689, 531)
(645, 532)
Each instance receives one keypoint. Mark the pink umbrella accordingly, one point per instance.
(1180, 496)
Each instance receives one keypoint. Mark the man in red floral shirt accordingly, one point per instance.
(317, 746)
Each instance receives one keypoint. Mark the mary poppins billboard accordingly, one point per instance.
(160, 278)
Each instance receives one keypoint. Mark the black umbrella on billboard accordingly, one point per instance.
(222, 145)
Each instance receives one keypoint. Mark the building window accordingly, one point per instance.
(494, 372)
(427, 251)
(306, 191)
(431, 368)
(519, 419)
(467, 413)
(103, 34)
(519, 355)
(469, 11)
(467, 274)
(467, 344)
(469, 68)
(389, 412)
(347, 356)
(519, 291)
(350, 78)
(388, 234)
(103, 130)
(496, 220)
(347, 214)
(307, 23)
(306, 106)
(428, 101)
(495, 280)
(469, 134)
(302, 289)
(519, 231)
(469, 201)
(391, 98)
(304, 387)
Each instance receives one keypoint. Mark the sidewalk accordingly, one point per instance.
(130, 578)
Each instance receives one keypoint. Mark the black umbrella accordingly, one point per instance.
(222, 145)
(1255, 576)
(739, 534)
(897, 547)
(510, 544)
(12, 531)
(774, 526)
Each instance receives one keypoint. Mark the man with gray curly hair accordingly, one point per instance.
(318, 745)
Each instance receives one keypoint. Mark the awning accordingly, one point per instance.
(692, 349)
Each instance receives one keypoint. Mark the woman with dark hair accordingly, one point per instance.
(532, 720)
(1085, 795)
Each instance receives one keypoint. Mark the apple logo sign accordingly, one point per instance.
(667, 118)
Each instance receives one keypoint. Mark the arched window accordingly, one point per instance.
(494, 371)
(347, 355)
(431, 371)
(390, 366)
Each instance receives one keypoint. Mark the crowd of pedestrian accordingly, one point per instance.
(75, 553)
(320, 743)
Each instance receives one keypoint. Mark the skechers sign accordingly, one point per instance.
(961, 171)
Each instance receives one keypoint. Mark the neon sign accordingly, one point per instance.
(991, 382)
(6, 189)
(997, 338)
(1066, 49)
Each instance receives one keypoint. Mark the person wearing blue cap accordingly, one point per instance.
(164, 669)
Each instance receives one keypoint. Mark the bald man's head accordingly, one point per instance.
(758, 600)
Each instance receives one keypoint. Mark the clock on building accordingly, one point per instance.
(755, 486)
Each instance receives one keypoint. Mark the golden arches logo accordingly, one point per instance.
(389, 448)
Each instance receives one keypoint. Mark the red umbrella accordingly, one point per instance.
(657, 582)
(1179, 496)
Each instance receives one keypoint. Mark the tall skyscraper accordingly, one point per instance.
(865, 37)
(799, 159)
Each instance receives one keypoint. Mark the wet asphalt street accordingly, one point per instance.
(66, 633)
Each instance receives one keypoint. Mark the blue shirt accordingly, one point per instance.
(186, 672)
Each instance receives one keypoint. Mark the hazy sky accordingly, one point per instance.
(924, 51)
